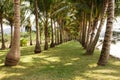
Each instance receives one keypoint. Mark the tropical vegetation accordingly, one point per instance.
(55, 22)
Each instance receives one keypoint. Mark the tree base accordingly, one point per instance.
(11, 62)
(46, 46)
(31, 44)
(9, 46)
(37, 51)
(100, 64)
(3, 48)
(52, 45)
(88, 53)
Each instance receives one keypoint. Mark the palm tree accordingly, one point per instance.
(28, 28)
(9, 16)
(2, 32)
(37, 46)
(92, 45)
(108, 35)
(11, 20)
(13, 56)
(2, 9)
(90, 24)
(52, 35)
(45, 8)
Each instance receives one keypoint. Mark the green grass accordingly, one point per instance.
(64, 62)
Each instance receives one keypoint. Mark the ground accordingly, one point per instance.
(64, 62)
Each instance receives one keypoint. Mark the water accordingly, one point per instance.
(114, 49)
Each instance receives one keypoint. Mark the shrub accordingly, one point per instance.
(23, 42)
(24, 35)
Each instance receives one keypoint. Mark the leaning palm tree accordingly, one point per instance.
(108, 35)
(91, 48)
(13, 55)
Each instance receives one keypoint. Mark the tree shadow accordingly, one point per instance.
(64, 62)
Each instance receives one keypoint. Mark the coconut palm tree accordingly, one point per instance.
(45, 9)
(108, 35)
(37, 46)
(92, 45)
(2, 9)
(52, 35)
(13, 56)
(9, 16)
(28, 28)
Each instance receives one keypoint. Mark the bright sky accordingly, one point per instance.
(116, 24)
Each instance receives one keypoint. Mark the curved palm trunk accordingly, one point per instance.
(11, 35)
(37, 46)
(95, 23)
(2, 33)
(91, 47)
(13, 55)
(108, 35)
(90, 25)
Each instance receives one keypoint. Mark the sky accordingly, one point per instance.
(116, 25)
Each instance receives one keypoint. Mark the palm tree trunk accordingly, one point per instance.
(58, 36)
(37, 46)
(86, 24)
(91, 47)
(46, 34)
(108, 35)
(2, 33)
(90, 24)
(55, 29)
(61, 35)
(52, 35)
(82, 41)
(95, 23)
(88, 34)
(84, 31)
(40, 36)
(11, 40)
(80, 24)
(13, 55)
(30, 35)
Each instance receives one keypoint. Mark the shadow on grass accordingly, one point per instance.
(2, 55)
(64, 62)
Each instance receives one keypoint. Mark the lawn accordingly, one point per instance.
(64, 62)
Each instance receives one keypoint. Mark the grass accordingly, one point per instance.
(64, 62)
